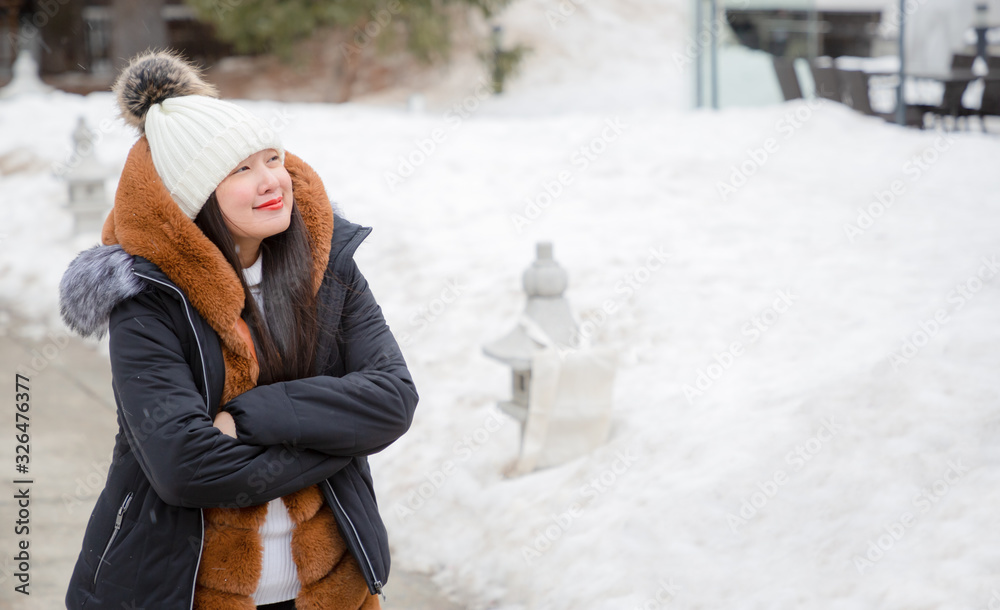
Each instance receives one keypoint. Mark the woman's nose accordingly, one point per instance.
(269, 182)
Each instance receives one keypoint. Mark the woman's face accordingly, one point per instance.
(256, 199)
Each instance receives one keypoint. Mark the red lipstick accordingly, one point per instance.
(274, 204)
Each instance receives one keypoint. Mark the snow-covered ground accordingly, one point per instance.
(805, 308)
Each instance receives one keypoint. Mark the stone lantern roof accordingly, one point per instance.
(547, 311)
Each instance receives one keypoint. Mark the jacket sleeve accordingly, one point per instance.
(360, 413)
(188, 461)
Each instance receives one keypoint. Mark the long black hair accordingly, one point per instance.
(285, 332)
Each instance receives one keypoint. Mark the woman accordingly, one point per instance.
(252, 369)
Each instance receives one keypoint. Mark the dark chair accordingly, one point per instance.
(951, 100)
(991, 92)
(827, 83)
(789, 82)
(854, 91)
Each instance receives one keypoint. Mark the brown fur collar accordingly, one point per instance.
(145, 221)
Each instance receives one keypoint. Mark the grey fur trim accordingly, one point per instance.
(96, 281)
(152, 77)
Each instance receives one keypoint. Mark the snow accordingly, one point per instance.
(804, 410)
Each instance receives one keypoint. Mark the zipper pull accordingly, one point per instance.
(121, 511)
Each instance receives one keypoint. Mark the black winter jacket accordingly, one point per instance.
(143, 542)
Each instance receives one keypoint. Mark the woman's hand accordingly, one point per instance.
(225, 422)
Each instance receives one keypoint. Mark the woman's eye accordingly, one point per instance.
(275, 158)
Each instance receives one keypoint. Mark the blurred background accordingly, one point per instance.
(700, 296)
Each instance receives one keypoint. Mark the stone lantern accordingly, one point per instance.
(561, 391)
(85, 178)
(25, 80)
(547, 310)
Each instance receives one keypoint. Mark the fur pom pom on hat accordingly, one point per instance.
(195, 138)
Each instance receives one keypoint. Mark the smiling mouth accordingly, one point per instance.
(270, 205)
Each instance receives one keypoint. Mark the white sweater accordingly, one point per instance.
(279, 580)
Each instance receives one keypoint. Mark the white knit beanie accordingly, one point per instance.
(196, 140)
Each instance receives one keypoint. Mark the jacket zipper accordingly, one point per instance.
(201, 512)
(114, 533)
(204, 375)
(352, 245)
(357, 538)
(187, 312)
